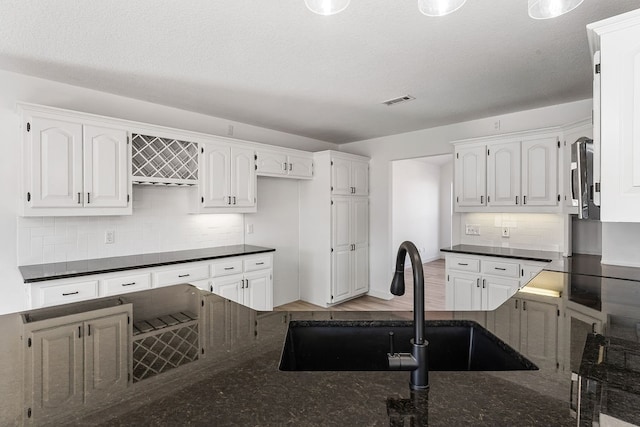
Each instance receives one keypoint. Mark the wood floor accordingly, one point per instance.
(434, 281)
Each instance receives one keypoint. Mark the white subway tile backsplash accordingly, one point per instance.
(527, 231)
(160, 223)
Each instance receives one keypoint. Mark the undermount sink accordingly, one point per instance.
(456, 345)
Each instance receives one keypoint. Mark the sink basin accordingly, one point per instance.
(457, 345)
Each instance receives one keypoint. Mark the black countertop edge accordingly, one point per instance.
(523, 254)
(64, 270)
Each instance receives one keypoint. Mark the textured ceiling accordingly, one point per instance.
(275, 64)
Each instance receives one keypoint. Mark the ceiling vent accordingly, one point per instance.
(399, 100)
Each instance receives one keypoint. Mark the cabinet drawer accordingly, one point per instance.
(124, 284)
(257, 263)
(185, 274)
(42, 296)
(463, 264)
(501, 268)
(231, 266)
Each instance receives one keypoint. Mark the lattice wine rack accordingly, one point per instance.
(164, 343)
(166, 161)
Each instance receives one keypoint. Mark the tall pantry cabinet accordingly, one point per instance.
(334, 229)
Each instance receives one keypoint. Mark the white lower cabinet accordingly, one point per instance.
(530, 326)
(75, 361)
(224, 324)
(253, 287)
(480, 283)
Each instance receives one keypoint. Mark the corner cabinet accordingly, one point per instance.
(617, 40)
(227, 181)
(509, 173)
(73, 166)
(334, 229)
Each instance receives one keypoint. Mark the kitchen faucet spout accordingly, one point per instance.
(416, 361)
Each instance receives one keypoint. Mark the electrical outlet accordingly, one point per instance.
(505, 231)
(109, 237)
(472, 230)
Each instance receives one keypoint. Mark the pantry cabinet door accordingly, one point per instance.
(540, 172)
(360, 178)
(340, 176)
(56, 163)
(503, 174)
(106, 172)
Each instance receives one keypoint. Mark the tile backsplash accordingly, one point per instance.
(160, 223)
(543, 232)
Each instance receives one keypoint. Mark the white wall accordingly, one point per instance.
(431, 142)
(415, 206)
(65, 238)
(276, 225)
(620, 243)
(586, 236)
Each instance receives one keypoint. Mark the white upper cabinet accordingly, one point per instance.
(540, 172)
(349, 177)
(618, 40)
(284, 163)
(503, 174)
(73, 167)
(509, 173)
(470, 176)
(227, 181)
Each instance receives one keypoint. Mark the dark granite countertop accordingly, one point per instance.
(62, 270)
(590, 265)
(524, 254)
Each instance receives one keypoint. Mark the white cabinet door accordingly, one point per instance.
(504, 322)
(229, 287)
(503, 174)
(243, 180)
(300, 167)
(360, 266)
(539, 333)
(465, 292)
(105, 167)
(620, 124)
(272, 163)
(341, 245)
(540, 172)
(359, 221)
(258, 293)
(360, 178)
(56, 371)
(340, 176)
(496, 290)
(216, 183)
(105, 357)
(470, 176)
(56, 163)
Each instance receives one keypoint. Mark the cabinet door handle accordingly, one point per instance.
(79, 198)
(184, 275)
(88, 198)
(524, 306)
(260, 263)
(516, 200)
(234, 200)
(228, 200)
(477, 282)
(500, 268)
(484, 282)
(89, 330)
(284, 166)
(463, 263)
(70, 293)
(129, 284)
(79, 331)
(516, 304)
(524, 200)
(290, 166)
(229, 268)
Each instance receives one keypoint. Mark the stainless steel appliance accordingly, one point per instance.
(583, 189)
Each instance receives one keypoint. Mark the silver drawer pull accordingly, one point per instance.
(184, 275)
(229, 268)
(259, 263)
(70, 293)
(129, 284)
(462, 263)
(500, 268)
